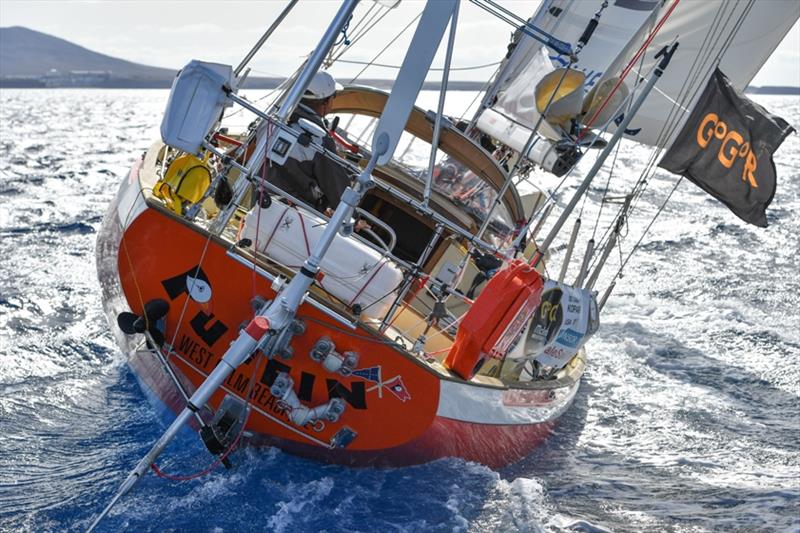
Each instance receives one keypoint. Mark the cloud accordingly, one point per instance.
(192, 28)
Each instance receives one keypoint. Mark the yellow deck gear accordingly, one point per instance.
(186, 180)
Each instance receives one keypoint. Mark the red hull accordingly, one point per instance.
(407, 415)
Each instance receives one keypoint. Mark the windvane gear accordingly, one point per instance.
(154, 310)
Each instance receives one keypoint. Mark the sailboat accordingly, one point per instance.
(424, 317)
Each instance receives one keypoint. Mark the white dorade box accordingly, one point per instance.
(195, 104)
(353, 271)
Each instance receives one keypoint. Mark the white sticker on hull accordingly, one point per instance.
(484, 405)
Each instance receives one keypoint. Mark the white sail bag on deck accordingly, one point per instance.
(353, 272)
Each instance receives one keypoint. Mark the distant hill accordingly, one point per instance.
(774, 89)
(29, 53)
(30, 58)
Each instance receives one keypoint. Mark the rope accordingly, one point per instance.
(647, 229)
(673, 124)
(214, 464)
(154, 467)
(347, 332)
(693, 76)
(628, 68)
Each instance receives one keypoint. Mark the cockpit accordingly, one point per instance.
(416, 269)
(466, 179)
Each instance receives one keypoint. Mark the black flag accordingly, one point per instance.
(726, 149)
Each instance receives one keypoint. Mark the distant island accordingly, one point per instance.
(32, 59)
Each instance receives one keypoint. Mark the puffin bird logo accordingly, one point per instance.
(193, 283)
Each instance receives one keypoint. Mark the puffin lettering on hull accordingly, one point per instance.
(195, 284)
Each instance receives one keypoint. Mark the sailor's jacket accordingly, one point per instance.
(308, 174)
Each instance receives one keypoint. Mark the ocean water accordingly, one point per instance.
(688, 418)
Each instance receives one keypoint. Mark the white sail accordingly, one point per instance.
(513, 113)
(739, 35)
(619, 21)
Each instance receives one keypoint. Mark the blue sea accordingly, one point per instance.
(688, 418)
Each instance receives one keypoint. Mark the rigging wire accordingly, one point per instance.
(671, 123)
(627, 69)
(386, 47)
(691, 81)
(358, 37)
(552, 195)
(524, 26)
(616, 155)
(339, 46)
(605, 102)
(432, 69)
(674, 124)
(478, 94)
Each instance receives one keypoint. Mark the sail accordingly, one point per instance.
(512, 113)
(740, 36)
(736, 36)
(619, 22)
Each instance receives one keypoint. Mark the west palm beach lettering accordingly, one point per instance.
(733, 145)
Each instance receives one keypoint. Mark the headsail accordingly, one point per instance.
(511, 111)
(736, 36)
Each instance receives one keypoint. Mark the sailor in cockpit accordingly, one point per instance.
(307, 174)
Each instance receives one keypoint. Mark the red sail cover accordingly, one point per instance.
(496, 318)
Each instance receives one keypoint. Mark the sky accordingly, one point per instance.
(169, 33)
